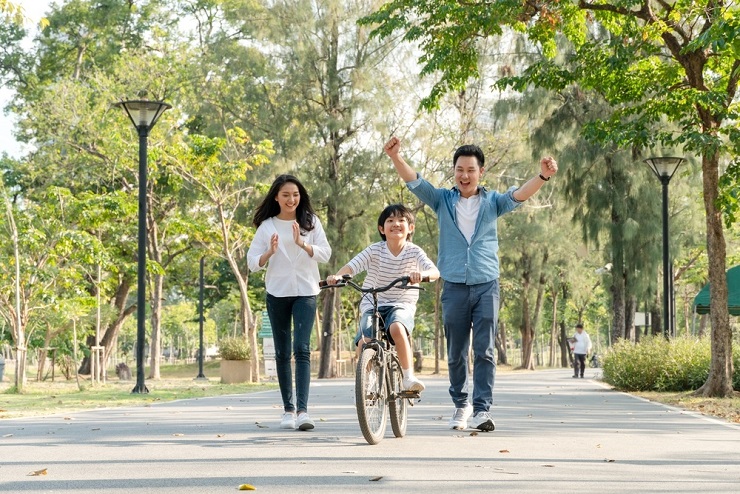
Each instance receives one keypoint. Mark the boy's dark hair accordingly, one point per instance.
(470, 150)
(269, 207)
(395, 210)
(579, 325)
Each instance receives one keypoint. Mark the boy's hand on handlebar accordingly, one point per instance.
(415, 277)
(333, 279)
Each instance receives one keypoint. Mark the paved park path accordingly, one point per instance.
(553, 434)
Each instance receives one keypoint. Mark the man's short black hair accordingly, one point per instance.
(579, 325)
(470, 150)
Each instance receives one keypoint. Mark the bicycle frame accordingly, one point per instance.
(378, 353)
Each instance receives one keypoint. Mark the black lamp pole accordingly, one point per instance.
(143, 115)
(664, 168)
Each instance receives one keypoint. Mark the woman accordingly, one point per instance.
(290, 236)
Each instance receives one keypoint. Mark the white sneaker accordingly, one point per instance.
(288, 421)
(459, 419)
(483, 422)
(304, 422)
(413, 384)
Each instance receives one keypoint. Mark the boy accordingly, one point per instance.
(385, 261)
(468, 261)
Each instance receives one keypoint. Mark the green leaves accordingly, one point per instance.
(728, 200)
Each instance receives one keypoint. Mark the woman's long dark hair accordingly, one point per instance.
(269, 207)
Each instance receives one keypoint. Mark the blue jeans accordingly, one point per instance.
(464, 306)
(388, 315)
(302, 311)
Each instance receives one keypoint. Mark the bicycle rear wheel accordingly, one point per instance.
(397, 406)
(370, 397)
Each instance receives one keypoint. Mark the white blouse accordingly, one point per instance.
(290, 272)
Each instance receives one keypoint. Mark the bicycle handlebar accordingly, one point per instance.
(402, 282)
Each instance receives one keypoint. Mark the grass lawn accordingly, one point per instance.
(44, 398)
(724, 408)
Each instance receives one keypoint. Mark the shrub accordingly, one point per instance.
(234, 349)
(656, 364)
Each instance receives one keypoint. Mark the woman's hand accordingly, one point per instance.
(273, 245)
(297, 235)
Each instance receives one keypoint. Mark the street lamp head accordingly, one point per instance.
(143, 113)
(664, 166)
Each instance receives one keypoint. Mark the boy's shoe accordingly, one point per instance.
(304, 422)
(288, 421)
(482, 421)
(459, 420)
(413, 384)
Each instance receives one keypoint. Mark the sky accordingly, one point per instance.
(34, 11)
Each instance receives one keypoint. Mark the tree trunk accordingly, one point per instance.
(326, 369)
(502, 359)
(719, 381)
(437, 326)
(618, 297)
(155, 348)
(526, 329)
(554, 328)
(629, 318)
(564, 348)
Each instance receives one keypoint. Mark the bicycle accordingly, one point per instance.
(378, 379)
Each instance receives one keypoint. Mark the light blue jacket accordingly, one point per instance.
(459, 262)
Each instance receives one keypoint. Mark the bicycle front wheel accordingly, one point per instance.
(397, 405)
(370, 397)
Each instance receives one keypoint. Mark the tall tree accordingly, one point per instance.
(330, 69)
(655, 62)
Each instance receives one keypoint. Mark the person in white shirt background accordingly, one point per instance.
(581, 348)
(290, 242)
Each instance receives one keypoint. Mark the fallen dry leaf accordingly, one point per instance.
(503, 451)
(608, 460)
(375, 479)
(36, 473)
(473, 433)
(247, 487)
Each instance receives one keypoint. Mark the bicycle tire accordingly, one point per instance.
(370, 397)
(397, 405)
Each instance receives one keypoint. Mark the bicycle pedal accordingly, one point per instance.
(411, 395)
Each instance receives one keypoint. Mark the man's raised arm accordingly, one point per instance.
(392, 149)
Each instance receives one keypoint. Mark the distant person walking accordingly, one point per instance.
(290, 242)
(581, 348)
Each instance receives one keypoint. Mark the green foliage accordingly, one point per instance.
(234, 349)
(657, 364)
(729, 193)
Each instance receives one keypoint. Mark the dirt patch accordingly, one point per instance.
(723, 408)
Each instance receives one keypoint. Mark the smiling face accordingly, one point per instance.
(288, 197)
(467, 175)
(396, 228)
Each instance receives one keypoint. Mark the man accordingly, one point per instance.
(581, 348)
(468, 263)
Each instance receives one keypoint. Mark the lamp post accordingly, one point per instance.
(664, 168)
(143, 115)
